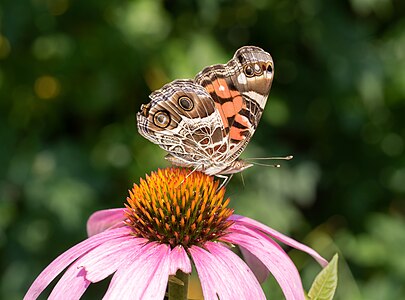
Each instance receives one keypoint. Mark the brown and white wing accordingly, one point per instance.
(182, 119)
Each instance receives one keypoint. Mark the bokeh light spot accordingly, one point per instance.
(4, 47)
(119, 155)
(52, 46)
(143, 21)
(382, 8)
(47, 87)
(35, 234)
(392, 144)
(396, 181)
(44, 164)
(371, 90)
(58, 7)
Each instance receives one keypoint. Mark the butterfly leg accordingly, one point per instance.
(195, 169)
(225, 182)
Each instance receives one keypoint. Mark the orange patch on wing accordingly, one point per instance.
(223, 117)
(220, 87)
(236, 134)
(228, 109)
(242, 120)
(210, 88)
(233, 107)
(237, 101)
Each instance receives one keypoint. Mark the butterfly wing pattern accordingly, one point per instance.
(206, 123)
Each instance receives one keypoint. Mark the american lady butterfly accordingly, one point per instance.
(206, 123)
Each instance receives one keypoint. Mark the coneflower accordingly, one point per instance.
(173, 220)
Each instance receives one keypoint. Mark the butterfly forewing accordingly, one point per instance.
(239, 96)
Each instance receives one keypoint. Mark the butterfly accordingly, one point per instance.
(206, 123)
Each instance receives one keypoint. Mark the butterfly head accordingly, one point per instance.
(236, 166)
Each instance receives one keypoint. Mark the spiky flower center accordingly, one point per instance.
(177, 207)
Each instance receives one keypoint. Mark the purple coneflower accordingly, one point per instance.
(174, 219)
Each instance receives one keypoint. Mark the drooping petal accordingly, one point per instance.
(103, 219)
(65, 259)
(179, 260)
(259, 269)
(240, 271)
(95, 266)
(279, 236)
(206, 273)
(273, 257)
(104, 260)
(223, 274)
(72, 285)
(142, 275)
(156, 287)
(211, 281)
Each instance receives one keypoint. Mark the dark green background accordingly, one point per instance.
(74, 73)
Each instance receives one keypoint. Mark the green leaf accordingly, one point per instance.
(325, 283)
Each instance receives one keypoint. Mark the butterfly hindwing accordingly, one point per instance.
(182, 119)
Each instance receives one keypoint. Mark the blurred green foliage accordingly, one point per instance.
(74, 73)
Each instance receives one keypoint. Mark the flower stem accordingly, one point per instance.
(178, 286)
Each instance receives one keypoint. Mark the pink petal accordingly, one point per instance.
(240, 271)
(259, 269)
(279, 236)
(72, 285)
(179, 260)
(273, 257)
(65, 259)
(142, 275)
(223, 274)
(96, 265)
(211, 281)
(104, 219)
(207, 274)
(104, 260)
(100, 265)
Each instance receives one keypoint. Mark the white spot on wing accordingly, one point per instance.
(221, 88)
(242, 78)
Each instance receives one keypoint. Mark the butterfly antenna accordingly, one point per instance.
(288, 157)
(265, 165)
(250, 160)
